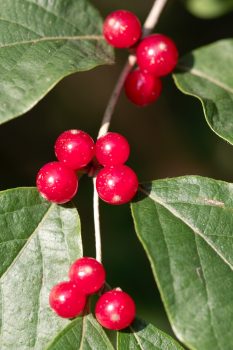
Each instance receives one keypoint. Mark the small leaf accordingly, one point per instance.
(185, 225)
(142, 336)
(209, 8)
(40, 43)
(207, 74)
(83, 333)
(38, 242)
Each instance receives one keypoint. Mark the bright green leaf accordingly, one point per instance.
(38, 242)
(185, 226)
(83, 333)
(142, 336)
(40, 43)
(207, 74)
(209, 8)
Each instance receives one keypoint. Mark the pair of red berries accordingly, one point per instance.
(115, 309)
(156, 55)
(57, 181)
(115, 183)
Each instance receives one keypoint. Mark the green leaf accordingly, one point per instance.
(83, 333)
(38, 242)
(209, 8)
(40, 43)
(142, 336)
(185, 225)
(206, 73)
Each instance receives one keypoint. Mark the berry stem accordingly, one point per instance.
(115, 96)
(148, 26)
(97, 222)
(153, 16)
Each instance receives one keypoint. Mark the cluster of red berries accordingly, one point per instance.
(114, 310)
(116, 183)
(156, 55)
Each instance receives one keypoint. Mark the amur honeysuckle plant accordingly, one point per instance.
(185, 224)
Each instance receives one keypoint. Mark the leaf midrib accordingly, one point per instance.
(207, 293)
(54, 38)
(193, 228)
(136, 337)
(39, 297)
(203, 75)
(81, 345)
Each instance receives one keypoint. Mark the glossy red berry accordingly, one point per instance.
(122, 29)
(142, 88)
(56, 182)
(112, 149)
(66, 300)
(157, 54)
(115, 310)
(75, 148)
(88, 274)
(117, 184)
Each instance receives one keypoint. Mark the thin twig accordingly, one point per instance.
(115, 96)
(148, 26)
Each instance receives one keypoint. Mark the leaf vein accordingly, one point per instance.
(155, 198)
(39, 294)
(62, 229)
(20, 25)
(203, 75)
(28, 241)
(50, 12)
(13, 240)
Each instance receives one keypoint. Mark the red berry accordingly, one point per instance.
(122, 29)
(142, 88)
(74, 148)
(157, 54)
(66, 300)
(117, 184)
(88, 274)
(115, 310)
(56, 182)
(112, 149)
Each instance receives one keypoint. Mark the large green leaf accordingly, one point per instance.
(207, 74)
(185, 226)
(142, 336)
(83, 333)
(42, 41)
(209, 8)
(38, 241)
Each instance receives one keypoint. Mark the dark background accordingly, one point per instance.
(169, 138)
